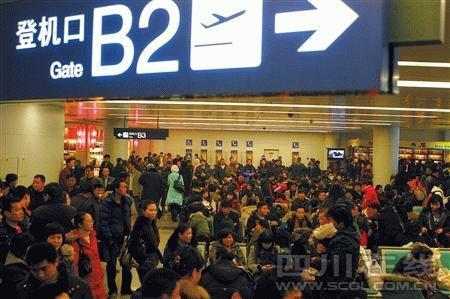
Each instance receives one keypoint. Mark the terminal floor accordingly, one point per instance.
(166, 227)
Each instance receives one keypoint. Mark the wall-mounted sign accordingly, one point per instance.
(295, 145)
(188, 142)
(439, 145)
(204, 142)
(249, 143)
(128, 48)
(219, 143)
(234, 143)
(129, 133)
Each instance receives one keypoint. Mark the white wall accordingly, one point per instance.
(31, 140)
(312, 145)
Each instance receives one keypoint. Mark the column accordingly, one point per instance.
(32, 140)
(116, 148)
(386, 141)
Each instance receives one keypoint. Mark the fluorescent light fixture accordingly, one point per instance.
(256, 120)
(273, 105)
(248, 129)
(424, 64)
(262, 112)
(248, 125)
(423, 84)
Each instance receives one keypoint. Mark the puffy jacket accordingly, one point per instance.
(343, 246)
(51, 212)
(115, 218)
(225, 275)
(199, 225)
(95, 278)
(370, 197)
(74, 286)
(144, 241)
(152, 185)
(237, 251)
(173, 196)
(14, 271)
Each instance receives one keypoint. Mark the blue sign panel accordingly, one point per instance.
(188, 142)
(219, 143)
(204, 142)
(116, 49)
(234, 143)
(249, 143)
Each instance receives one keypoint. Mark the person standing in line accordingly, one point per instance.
(144, 240)
(67, 171)
(87, 243)
(174, 197)
(115, 225)
(37, 191)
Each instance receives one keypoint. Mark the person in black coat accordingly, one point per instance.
(16, 269)
(115, 225)
(187, 172)
(224, 277)
(144, 240)
(342, 253)
(435, 223)
(226, 218)
(53, 279)
(55, 209)
(153, 184)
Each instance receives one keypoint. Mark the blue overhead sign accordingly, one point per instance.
(117, 49)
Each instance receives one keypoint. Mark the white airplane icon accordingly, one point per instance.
(222, 19)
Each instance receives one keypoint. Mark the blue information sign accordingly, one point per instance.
(134, 48)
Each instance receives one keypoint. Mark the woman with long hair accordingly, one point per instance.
(226, 239)
(144, 239)
(435, 223)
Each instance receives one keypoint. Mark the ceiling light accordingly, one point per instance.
(423, 84)
(272, 105)
(424, 64)
(263, 112)
(249, 125)
(258, 120)
(247, 129)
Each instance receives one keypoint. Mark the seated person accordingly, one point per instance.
(224, 278)
(226, 239)
(298, 219)
(435, 223)
(322, 235)
(159, 283)
(263, 256)
(225, 213)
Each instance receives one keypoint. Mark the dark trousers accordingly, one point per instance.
(111, 270)
(174, 210)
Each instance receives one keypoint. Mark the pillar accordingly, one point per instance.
(32, 140)
(386, 141)
(116, 148)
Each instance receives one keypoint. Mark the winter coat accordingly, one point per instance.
(14, 272)
(345, 245)
(237, 251)
(73, 285)
(6, 234)
(144, 241)
(79, 200)
(426, 220)
(51, 212)
(225, 275)
(219, 172)
(173, 196)
(390, 226)
(152, 185)
(92, 206)
(173, 247)
(293, 222)
(115, 218)
(262, 258)
(199, 225)
(370, 197)
(95, 278)
(220, 219)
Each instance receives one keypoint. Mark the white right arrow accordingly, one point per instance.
(120, 134)
(330, 19)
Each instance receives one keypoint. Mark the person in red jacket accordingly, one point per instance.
(370, 195)
(87, 243)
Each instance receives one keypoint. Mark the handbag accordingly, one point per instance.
(125, 258)
(178, 185)
(84, 263)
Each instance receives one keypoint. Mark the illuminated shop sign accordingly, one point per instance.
(153, 48)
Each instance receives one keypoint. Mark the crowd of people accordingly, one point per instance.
(240, 227)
